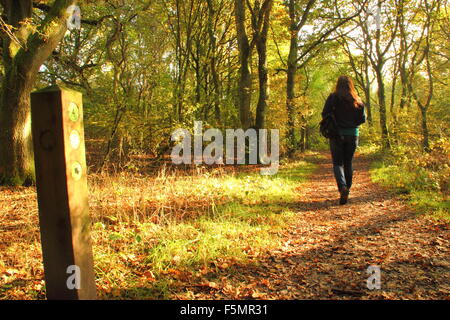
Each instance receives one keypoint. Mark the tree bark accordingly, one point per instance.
(425, 132)
(405, 100)
(291, 74)
(382, 105)
(16, 157)
(263, 74)
(22, 58)
(378, 65)
(296, 24)
(368, 83)
(245, 81)
(215, 74)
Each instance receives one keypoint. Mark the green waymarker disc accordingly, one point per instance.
(74, 112)
(77, 171)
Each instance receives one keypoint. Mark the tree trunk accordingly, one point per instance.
(263, 74)
(22, 59)
(303, 139)
(425, 132)
(215, 74)
(368, 104)
(405, 99)
(291, 74)
(245, 81)
(382, 104)
(16, 157)
(367, 90)
(392, 109)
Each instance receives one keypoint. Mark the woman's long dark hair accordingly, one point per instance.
(345, 89)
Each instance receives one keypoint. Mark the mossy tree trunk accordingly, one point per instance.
(16, 157)
(25, 49)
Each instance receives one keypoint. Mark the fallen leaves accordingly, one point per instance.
(324, 256)
(149, 276)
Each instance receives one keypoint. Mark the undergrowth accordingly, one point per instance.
(152, 232)
(422, 178)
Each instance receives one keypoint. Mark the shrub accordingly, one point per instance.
(423, 177)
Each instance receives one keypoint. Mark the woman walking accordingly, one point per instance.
(348, 110)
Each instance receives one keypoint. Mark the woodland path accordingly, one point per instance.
(327, 252)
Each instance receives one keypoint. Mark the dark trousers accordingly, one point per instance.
(342, 152)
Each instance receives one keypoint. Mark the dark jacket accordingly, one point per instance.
(347, 116)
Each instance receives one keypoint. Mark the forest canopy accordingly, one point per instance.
(146, 68)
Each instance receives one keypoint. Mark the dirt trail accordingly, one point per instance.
(327, 253)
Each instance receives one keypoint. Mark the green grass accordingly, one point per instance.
(245, 217)
(155, 235)
(417, 186)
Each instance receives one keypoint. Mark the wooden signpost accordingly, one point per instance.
(60, 161)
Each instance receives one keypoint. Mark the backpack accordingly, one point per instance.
(328, 126)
